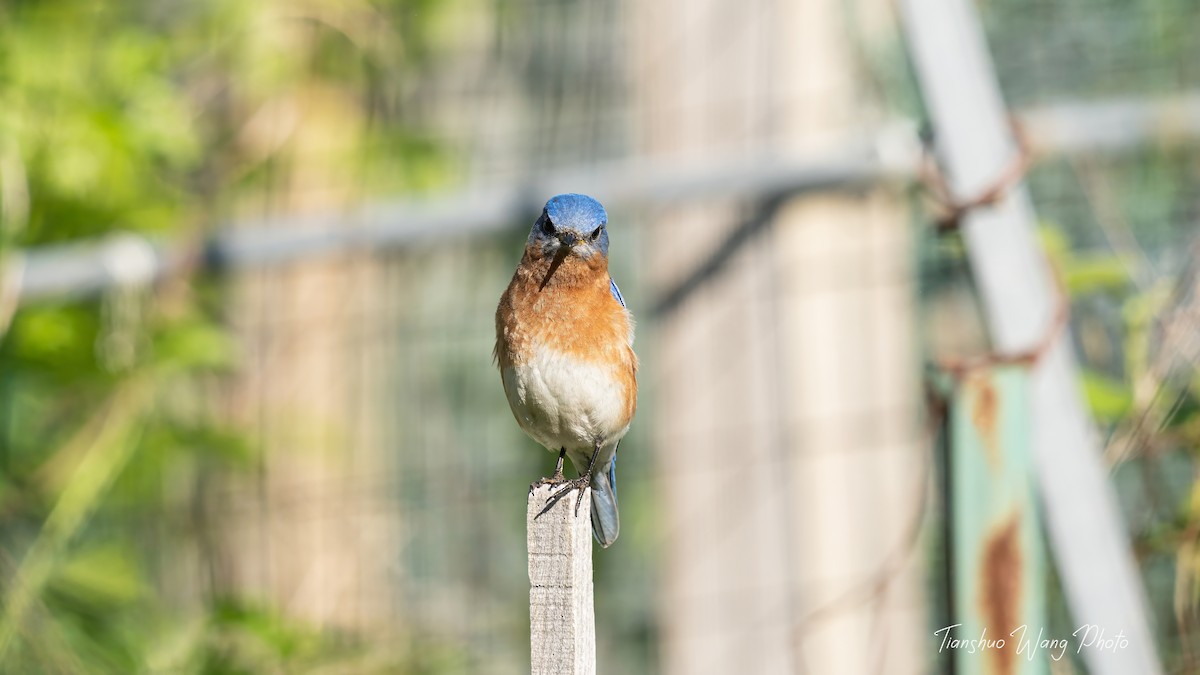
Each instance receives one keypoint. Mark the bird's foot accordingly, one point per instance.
(582, 483)
(556, 478)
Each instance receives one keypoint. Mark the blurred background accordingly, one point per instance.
(250, 254)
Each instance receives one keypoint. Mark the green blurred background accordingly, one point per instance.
(310, 468)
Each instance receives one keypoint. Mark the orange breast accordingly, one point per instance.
(572, 313)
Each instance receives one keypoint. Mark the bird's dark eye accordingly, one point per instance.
(596, 232)
(547, 226)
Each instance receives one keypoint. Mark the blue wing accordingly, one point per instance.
(616, 292)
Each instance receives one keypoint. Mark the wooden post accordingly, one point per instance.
(975, 144)
(562, 623)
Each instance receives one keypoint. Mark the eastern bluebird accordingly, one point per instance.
(564, 344)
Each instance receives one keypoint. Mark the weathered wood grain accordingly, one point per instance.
(562, 623)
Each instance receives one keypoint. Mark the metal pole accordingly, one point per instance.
(975, 144)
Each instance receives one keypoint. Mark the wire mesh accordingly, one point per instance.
(777, 463)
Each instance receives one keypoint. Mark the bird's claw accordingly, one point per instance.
(582, 483)
(556, 478)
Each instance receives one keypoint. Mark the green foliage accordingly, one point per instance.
(1142, 389)
(1109, 399)
(138, 117)
(1094, 274)
(98, 578)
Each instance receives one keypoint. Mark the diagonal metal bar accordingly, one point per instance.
(975, 144)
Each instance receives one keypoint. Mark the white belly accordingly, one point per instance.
(563, 403)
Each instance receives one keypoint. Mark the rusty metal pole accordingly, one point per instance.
(998, 561)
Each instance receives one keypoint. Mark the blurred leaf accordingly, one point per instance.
(1095, 274)
(1083, 274)
(195, 345)
(1054, 241)
(100, 577)
(59, 339)
(228, 444)
(1108, 399)
(284, 638)
(1143, 307)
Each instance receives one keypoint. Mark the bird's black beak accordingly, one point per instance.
(568, 239)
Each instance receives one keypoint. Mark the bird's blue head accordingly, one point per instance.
(571, 224)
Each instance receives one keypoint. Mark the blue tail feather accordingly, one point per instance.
(606, 524)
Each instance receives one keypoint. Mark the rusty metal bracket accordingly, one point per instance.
(937, 188)
(960, 367)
